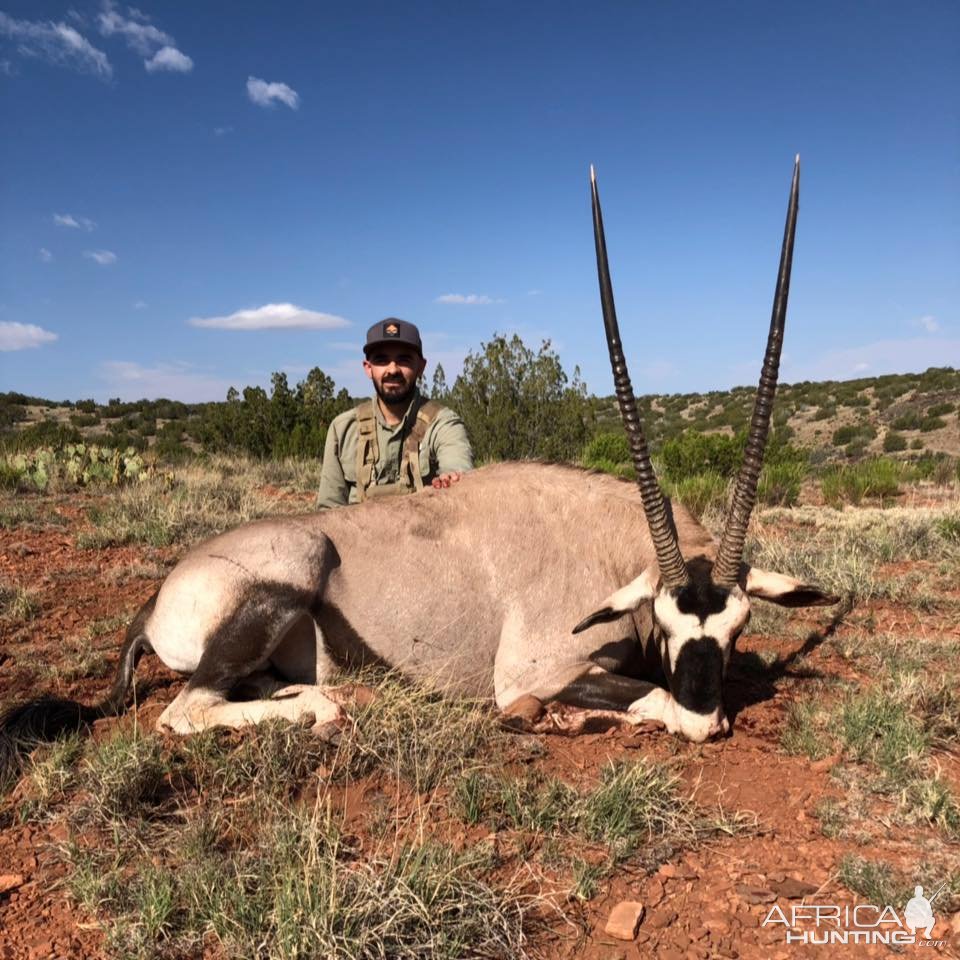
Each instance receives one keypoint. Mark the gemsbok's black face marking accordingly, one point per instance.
(697, 680)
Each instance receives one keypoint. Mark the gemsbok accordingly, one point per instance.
(524, 579)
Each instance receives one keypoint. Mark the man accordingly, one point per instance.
(398, 442)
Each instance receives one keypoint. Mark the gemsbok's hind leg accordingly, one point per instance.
(271, 623)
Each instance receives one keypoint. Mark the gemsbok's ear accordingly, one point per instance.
(788, 592)
(625, 600)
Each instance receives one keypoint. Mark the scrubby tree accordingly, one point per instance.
(519, 404)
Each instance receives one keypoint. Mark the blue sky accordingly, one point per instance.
(196, 195)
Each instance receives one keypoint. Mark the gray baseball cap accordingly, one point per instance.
(393, 330)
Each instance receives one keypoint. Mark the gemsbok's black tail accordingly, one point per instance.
(26, 725)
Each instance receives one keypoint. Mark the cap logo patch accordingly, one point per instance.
(391, 330)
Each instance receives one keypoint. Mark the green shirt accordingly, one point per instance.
(445, 449)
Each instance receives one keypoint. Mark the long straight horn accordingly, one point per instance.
(673, 571)
(726, 570)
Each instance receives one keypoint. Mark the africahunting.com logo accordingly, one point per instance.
(823, 923)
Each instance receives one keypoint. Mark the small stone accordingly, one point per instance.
(662, 919)
(654, 893)
(716, 923)
(752, 894)
(793, 889)
(625, 919)
(10, 881)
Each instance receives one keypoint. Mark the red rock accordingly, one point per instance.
(793, 889)
(10, 881)
(662, 919)
(625, 919)
(752, 894)
(716, 923)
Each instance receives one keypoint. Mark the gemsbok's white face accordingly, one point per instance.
(696, 626)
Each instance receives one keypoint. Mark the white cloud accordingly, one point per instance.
(157, 47)
(273, 316)
(104, 257)
(880, 357)
(263, 94)
(139, 33)
(928, 323)
(23, 336)
(170, 59)
(470, 299)
(45, 255)
(76, 223)
(222, 131)
(176, 381)
(534, 293)
(57, 43)
(140, 305)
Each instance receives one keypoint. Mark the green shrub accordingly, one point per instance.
(47, 433)
(608, 448)
(780, 483)
(936, 467)
(939, 409)
(698, 491)
(853, 432)
(694, 453)
(894, 442)
(906, 421)
(84, 419)
(878, 477)
(927, 424)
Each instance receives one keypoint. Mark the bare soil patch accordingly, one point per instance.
(705, 900)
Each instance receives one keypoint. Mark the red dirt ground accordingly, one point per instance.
(708, 902)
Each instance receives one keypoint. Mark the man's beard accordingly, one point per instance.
(395, 399)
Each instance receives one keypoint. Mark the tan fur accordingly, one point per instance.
(475, 589)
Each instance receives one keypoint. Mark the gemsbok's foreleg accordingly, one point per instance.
(597, 693)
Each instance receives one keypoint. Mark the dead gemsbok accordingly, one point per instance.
(523, 579)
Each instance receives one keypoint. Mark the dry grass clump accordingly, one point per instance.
(18, 604)
(203, 499)
(843, 552)
(889, 731)
(418, 735)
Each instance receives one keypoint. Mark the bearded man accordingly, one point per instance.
(398, 442)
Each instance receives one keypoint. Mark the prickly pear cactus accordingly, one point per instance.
(78, 463)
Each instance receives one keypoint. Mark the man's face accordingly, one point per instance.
(394, 369)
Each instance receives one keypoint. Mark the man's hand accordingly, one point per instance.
(445, 480)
